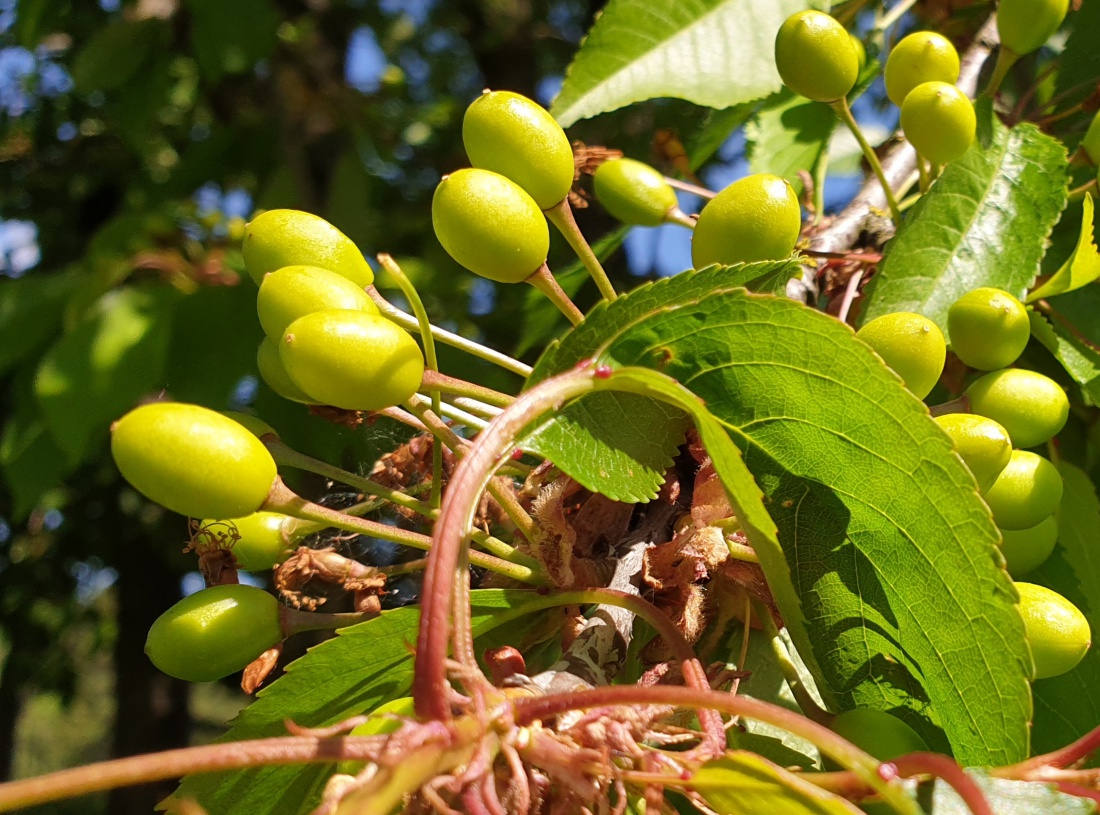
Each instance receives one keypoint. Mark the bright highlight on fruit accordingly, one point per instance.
(288, 237)
(633, 192)
(1025, 550)
(881, 734)
(982, 444)
(214, 632)
(1057, 631)
(989, 328)
(1033, 408)
(939, 121)
(912, 345)
(1028, 491)
(261, 539)
(294, 291)
(352, 359)
(517, 138)
(923, 56)
(815, 56)
(1024, 25)
(755, 218)
(192, 460)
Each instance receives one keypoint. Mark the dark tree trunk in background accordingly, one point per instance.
(9, 715)
(152, 707)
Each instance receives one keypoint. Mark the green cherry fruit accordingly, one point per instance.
(289, 237)
(939, 121)
(517, 138)
(982, 444)
(490, 225)
(633, 192)
(989, 328)
(262, 539)
(815, 56)
(383, 720)
(923, 56)
(253, 424)
(911, 345)
(1033, 408)
(755, 218)
(352, 360)
(861, 51)
(1024, 25)
(1091, 143)
(273, 372)
(192, 460)
(881, 734)
(294, 291)
(1056, 629)
(1025, 550)
(214, 632)
(1026, 492)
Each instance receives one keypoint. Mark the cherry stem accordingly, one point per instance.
(1005, 60)
(925, 179)
(295, 621)
(434, 380)
(546, 283)
(1078, 193)
(959, 405)
(854, 257)
(1066, 756)
(950, 772)
(531, 709)
(679, 217)
(801, 693)
(850, 292)
(430, 358)
(408, 322)
(845, 113)
(895, 14)
(694, 189)
(561, 216)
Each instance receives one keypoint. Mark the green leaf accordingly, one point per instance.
(1083, 265)
(30, 460)
(1011, 798)
(888, 547)
(353, 673)
(789, 134)
(104, 365)
(620, 445)
(30, 313)
(985, 222)
(229, 38)
(717, 128)
(715, 53)
(1078, 356)
(1079, 63)
(1068, 706)
(742, 782)
(116, 53)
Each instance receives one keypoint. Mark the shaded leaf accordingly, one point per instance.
(715, 53)
(1082, 267)
(717, 128)
(985, 222)
(30, 313)
(789, 134)
(229, 38)
(30, 459)
(1068, 706)
(743, 782)
(1079, 63)
(1078, 356)
(116, 53)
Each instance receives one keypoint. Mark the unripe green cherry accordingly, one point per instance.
(253, 424)
(923, 56)
(1025, 550)
(939, 121)
(262, 538)
(1033, 408)
(861, 51)
(274, 373)
(755, 218)
(192, 460)
(633, 192)
(815, 56)
(989, 328)
(352, 360)
(911, 345)
(1024, 25)
(214, 632)
(289, 237)
(1058, 633)
(294, 291)
(1026, 492)
(490, 225)
(879, 733)
(384, 719)
(1091, 143)
(982, 444)
(516, 137)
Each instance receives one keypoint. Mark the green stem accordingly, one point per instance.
(449, 411)
(895, 14)
(1005, 60)
(561, 216)
(476, 407)
(680, 218)
(845, 113)
(694, 189)
(925, 181)
(1079, 193)
(801, 693)
(545, 282)
(408, 322)
(820, 172)
(295, 621)
(434, 380)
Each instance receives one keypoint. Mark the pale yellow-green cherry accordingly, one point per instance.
(912, 345)
(1025, 25)
(516, 137)
(982, 444)
(289, 237)
(815, 56)
(274, 373)
(989, 328)
(939, 121)
(923, 56)
(633, 192)
(192, 460)
(294, 291)
(755, 218)
(490, 225)
(1057, 631)
(258, 541)
(1091, 143)
(253, 424)
(1032, 407)
(881, 734)
(1028, 490)
(1025, 550)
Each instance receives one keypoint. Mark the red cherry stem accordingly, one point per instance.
(546, 283)
(694, 189)
(561, 216)
(960, 405)
(1065, 757)
(434, 380)
(948, 771)
(295, 621)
